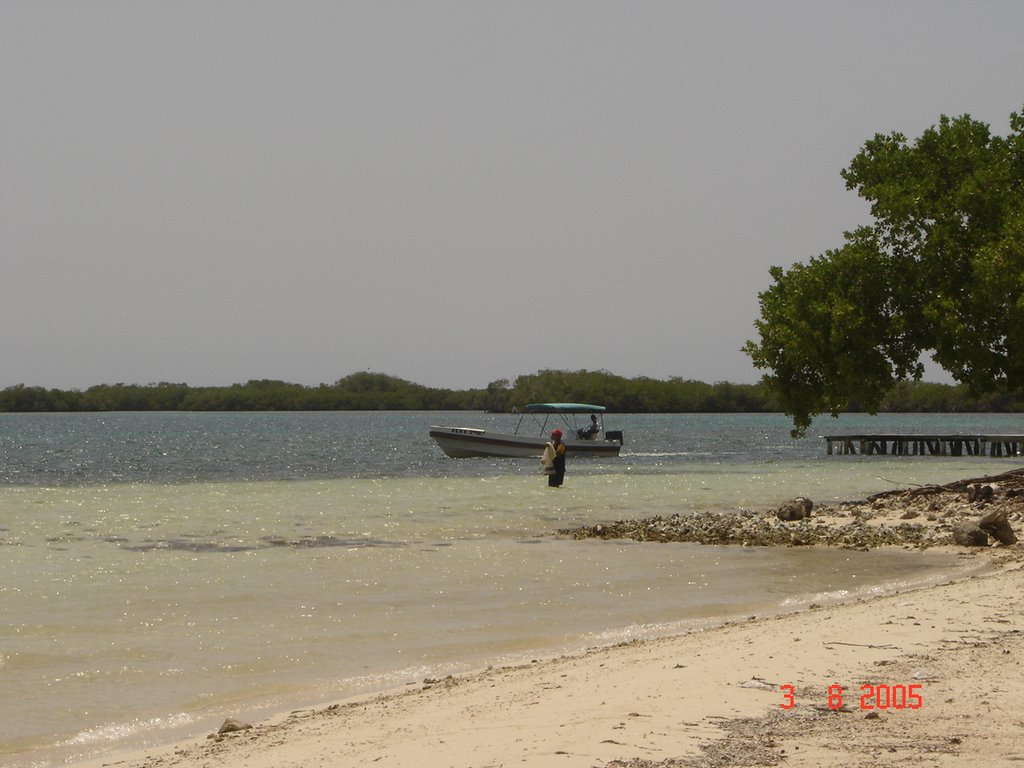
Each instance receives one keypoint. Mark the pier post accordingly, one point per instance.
(996, 446)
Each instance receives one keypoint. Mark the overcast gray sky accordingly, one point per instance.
(450, 192)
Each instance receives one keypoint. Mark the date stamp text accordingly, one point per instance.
(872, 697)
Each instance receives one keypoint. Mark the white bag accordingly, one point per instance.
(547, 460)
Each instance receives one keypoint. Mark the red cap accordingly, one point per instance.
(557, 432)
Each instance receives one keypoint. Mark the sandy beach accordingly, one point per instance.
(929, 676)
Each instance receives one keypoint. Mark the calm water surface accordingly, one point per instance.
(165, 571)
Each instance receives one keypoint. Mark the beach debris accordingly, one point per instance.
(979, 492)
(861, 645)
(231, 725)
(916, 517)
(826, 709)
(758, 683)
(995, 524)
(968, 533)
(430, 682)
(797, 509)
(764, 529)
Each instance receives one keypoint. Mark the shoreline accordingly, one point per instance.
(713, 696)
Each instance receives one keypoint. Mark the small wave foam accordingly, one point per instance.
(873, 590)
(830, 596)
(661, 454)
(109, 733)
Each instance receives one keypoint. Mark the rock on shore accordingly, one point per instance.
(920, 517)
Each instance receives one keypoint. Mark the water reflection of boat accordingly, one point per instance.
(580, 439)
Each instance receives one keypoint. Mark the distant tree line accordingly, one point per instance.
(378, 391)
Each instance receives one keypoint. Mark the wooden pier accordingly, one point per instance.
(926, 445)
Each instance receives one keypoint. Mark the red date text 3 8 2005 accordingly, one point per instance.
(871, 696)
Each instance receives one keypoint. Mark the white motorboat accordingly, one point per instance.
(588, 439)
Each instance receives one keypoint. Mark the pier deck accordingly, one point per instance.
(926, 445)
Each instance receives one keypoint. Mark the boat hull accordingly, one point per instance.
(468, 442)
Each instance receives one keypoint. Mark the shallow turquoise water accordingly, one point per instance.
(165, 571)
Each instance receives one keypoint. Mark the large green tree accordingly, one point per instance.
(940, 272)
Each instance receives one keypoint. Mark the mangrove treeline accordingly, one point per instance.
(377, 391)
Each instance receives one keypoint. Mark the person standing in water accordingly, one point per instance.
(555, 452)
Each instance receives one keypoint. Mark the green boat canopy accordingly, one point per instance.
(562, 408)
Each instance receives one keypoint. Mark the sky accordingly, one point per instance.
(213, 191)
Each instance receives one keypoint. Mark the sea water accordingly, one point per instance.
(162, 572)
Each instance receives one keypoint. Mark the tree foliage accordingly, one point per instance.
(378, 391)
(939, 272)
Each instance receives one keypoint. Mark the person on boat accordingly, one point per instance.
(557, 476)
(589, 433)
